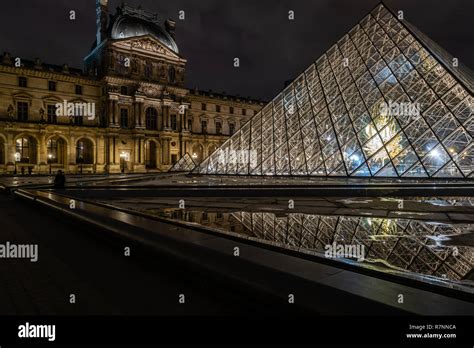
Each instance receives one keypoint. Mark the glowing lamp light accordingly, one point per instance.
(194, 155)
(435, 153)
(354, 158)
(17, 157)
(124, 155)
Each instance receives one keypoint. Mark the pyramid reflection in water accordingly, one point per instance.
(415, 246)
(384, 101)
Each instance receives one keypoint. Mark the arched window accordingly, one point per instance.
(151, 118)
(25, 150)
(56, 150)
(84, 152)
(197, 153)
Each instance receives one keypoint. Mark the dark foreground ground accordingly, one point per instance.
(75, 260)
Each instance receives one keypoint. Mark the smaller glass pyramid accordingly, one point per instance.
(185, 164)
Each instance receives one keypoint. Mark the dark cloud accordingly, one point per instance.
(271, 48)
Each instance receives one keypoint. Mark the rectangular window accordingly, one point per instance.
(218, 128)
(218, 108)
(231, 128)
(124, 118)
(174, 124)
(78, 120)
(148, 70)
(244, 112)
(22, 111)
(52, 118)
(78, 89)
(22, 82)
(203, 107)
(204, 127)
(124, 90)
(52, 85)
(231, 110)
(190, 125)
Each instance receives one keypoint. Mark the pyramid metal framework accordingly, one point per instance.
(397, 243)
(381, 102)
(184, 164)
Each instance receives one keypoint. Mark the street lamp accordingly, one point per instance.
(50, 160)
(81, 161)
(17, 159)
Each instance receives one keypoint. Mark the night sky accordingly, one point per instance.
(271, 48)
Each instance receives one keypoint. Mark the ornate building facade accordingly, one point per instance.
(127, 110)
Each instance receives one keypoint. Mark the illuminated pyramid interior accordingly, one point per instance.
(184, 164)
(330, 121)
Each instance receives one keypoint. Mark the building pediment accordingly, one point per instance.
(146, 44)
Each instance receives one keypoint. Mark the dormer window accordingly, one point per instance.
(22, 81)
(52, 86)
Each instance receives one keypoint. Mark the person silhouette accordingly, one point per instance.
(59, 180)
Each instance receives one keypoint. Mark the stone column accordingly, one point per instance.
(136, 120)
(43, 155)
(110, 112)
(71, 150)
(116, 113)
(141, 150)
(111, 150)
(142, 114)
(11, 149)
(114, 145)
(166, 116)
(100, 150)
(139, 112)
(166, 151)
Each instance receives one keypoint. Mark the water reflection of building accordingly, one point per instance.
(210, 219)
(145, 118)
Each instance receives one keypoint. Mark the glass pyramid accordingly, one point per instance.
(383, 101)
(184, 164)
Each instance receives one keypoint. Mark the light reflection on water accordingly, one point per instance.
(412, 246)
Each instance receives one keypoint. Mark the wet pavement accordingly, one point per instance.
(75, 259)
